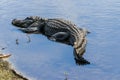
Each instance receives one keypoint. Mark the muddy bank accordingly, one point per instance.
(7, 73)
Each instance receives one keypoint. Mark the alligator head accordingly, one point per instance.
(31, 24)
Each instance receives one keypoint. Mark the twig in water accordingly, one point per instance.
(29, 39)
(66, 75)
(3, 48)
(4, 55)
(17, 41)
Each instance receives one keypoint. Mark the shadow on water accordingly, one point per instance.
(42, 59)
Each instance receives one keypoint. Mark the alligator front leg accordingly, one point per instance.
(59, 36)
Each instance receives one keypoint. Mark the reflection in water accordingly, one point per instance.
(45, 60)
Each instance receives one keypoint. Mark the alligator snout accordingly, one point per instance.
(17, 22)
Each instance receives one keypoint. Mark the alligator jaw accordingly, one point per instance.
(29, 30)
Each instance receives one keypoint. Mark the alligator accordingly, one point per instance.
(57, 30)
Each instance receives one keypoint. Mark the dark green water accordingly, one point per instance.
(42, 59)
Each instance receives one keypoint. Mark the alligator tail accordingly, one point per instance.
(79, 59)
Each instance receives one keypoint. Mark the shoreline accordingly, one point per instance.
(8, 73)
